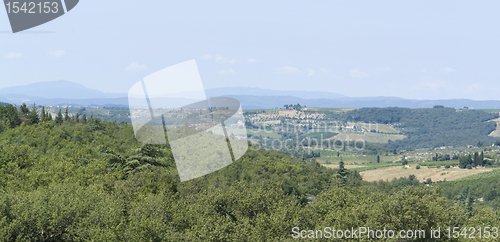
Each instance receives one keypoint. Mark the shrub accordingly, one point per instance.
(438, 166)
(447, 166)
(417, 167)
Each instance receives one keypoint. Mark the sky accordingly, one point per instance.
(417, 50)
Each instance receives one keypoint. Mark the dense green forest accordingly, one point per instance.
(85, 179)
(431, 127)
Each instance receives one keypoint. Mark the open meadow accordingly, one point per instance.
(425, 172)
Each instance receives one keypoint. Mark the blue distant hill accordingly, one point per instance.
(69, 93)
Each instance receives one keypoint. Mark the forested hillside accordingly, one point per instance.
(86, 179)
(432, 127)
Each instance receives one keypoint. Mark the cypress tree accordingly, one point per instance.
(77, 117)
(33, 115)
(84, 118)
(66, 115)
(342, 173)
(43, 115)
(59, 117)
(48, 116)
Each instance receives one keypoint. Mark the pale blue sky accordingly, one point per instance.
(422, 50)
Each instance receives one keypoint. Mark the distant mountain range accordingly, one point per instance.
(69, 93)
(60, 93)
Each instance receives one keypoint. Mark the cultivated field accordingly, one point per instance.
(436, 174)
(358, 159)
(369, 137)
(375, 126)
(346, 166)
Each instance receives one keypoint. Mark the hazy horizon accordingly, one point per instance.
(239, 87)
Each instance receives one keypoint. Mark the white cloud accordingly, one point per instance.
(287, 69)
(310, 72)
(224, 72)
(14, 55)
(448, 70)
(232, 61)
(324, 71)
(133, 67)
(358, 74)
(206, 57)
(57, 53)
(251, 61)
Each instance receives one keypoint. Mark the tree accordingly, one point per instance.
(84, 118)
(342, 173)
(481, 159)
(77, 117)
(378, 158)
(24, 109)
(468, 205)
(43, 115)
(66, 115)
(48, 116)
(476, 160)
(33, 115)
(59, 117)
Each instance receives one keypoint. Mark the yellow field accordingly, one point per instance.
(436, 174)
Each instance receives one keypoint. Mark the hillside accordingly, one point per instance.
(89, 179)
(435, 127)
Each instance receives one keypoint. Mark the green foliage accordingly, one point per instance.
(33, 115)
(24, 109)
(59, 117)
(342, 173)
(66, 115)
(434, 127)
(77, 181)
